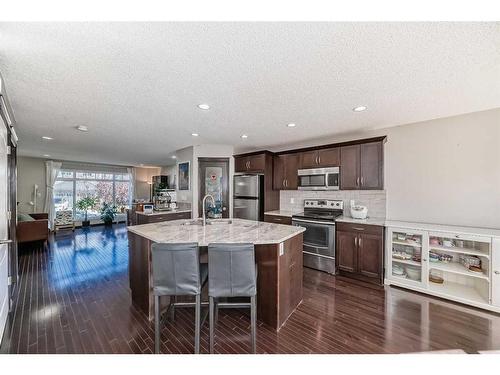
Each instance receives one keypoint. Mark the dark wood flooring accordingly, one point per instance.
(73, 297)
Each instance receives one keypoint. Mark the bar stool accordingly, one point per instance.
(177, 272)
(232, 273)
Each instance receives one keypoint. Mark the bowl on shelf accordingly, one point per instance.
(413, 273)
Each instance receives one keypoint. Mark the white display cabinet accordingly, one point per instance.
(458, 266)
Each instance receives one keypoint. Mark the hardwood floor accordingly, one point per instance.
(73, 298)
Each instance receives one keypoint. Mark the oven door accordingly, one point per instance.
(319, 237)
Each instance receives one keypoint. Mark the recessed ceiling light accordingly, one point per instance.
(47, 138)
(174, 157)
(194, 134)
(361, 108)
(82, 128)
(46, 155)
(292, 125)
(244, 136)
(203, 106)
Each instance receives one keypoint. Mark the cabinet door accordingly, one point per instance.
(308, 159)
(495, 275)
(329, 157)
(291, 166)
(240, 163)
(257, 163)
(278, 173)
(346, 253)
(371, 175)
(349, 167)
(370, 247)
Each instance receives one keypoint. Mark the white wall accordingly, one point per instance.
(30, 171)
(142, 190)
(444, 171)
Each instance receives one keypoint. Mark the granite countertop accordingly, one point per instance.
(166, 212)
(238, 230)
(286, 213)
(368, 221)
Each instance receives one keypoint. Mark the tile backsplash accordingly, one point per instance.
(293, 200)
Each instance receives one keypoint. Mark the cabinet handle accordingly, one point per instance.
(286, 182)
(361, 181)
(355, 241)
(497, 272)
(357, 181)
(358, 228)
(283, 183)
(360, 242)
(319, 159)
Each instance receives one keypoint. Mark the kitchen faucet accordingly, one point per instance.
(203, 207)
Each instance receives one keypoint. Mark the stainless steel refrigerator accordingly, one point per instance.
(248, 197)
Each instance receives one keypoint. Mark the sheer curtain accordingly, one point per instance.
(52, 168)
(131, 173)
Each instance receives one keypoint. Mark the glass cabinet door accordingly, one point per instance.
(407, 258)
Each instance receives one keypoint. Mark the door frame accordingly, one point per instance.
(12, 252)
(225, 189)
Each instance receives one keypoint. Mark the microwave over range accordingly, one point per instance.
(319, 179)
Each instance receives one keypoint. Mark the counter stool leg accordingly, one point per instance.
(216, 311)
(197, 324)
(253, 318)
(212, 323)
(173, 299)
(157, 324)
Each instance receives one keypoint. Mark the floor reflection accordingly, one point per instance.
(90, 254)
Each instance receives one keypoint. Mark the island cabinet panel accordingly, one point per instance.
(326, 157)
(285, 172)
(139, 270)
(359, 251)
(276, 219)
(290, 278)
(250, 163)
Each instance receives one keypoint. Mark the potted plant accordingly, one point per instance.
(108, 213)
(83, 205)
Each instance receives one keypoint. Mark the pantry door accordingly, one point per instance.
(4, 231)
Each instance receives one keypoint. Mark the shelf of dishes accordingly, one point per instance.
(407, 239)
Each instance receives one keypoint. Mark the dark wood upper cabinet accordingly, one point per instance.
(361, 167)
(327, 157)
(349, 167)
(285, 172)
(371, 174)
(250, 163)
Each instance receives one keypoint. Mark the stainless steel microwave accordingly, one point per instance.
(319, 179)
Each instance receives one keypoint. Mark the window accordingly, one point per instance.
(73, 185)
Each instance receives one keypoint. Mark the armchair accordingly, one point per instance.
(35, 230)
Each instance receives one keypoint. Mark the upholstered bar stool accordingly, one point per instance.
(232, 273)
(177, 272)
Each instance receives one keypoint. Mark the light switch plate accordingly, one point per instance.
(282, 248)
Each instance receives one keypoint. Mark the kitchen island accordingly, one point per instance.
(278, 254)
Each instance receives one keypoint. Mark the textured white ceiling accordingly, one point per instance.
(137, 85)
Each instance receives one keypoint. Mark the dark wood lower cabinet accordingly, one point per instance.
(360, 251)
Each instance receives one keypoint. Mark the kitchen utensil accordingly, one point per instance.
(448, 243)
(359, 212)
(413, 273)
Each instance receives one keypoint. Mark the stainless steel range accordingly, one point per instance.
(319, 238)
